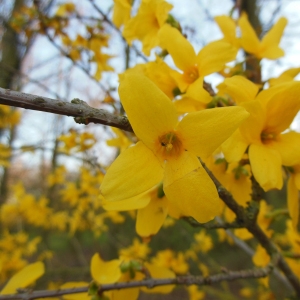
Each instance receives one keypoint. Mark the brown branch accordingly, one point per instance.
(80, 110)
(248, 220)
(149, 283)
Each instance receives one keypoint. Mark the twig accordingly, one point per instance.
(250, 223)
(149, 283)
(80, 110)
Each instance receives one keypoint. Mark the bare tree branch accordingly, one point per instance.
(149, 283)
(80, 110)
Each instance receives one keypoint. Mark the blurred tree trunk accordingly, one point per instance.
(10, 66)
(253, 68)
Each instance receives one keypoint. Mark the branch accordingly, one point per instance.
(248, 220)
(80, 110)
(149, 283)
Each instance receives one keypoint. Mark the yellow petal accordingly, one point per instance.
(121, 12)
(188, 105)
(228, 28)
(135, 171)
(24, 278)
(293, 201)
(249, 39)
(197, 92)
(178, 46)
(238, 88)
(282, 108)
(288, 146)
(159, 273)
(234, 147)
(214, 56)
(150, 111)
(180, 166)
(199, 129)
(136, 202)
(194, 194)
(252, 128)
(266, 166)
(150, 218)
(271, 53)
(105, 272)
(78, 296)
(272, 38)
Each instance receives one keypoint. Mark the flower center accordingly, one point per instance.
(267, 137)
(191, 74)
(169, 145)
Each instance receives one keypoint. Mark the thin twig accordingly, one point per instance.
(149, 283)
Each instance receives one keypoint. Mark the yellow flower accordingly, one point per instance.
(210, 59)
(204, 242)
(136, 251)
(121, 12)
(271, 113)
(168, 150)
(268, 46)
(168, 259)
(151, 15)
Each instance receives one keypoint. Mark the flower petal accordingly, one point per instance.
(194, 194)
(288, 146)
(150, 218)
(24, 278)
(228, 28)
(249, 39)
(293, 201)
(149, 110)
(214, 56)
(204, 131)
(252, 128)
(234, 147)
(283, 106)
(178, 46)
(136, 202)
(135, 171)
(266, 166)
(105, 272)
(272, 38)
(238, 88)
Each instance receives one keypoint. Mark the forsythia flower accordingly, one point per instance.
(268, 46)
(271, 113)
(194, 67)
(151, 15)
(168, 150)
